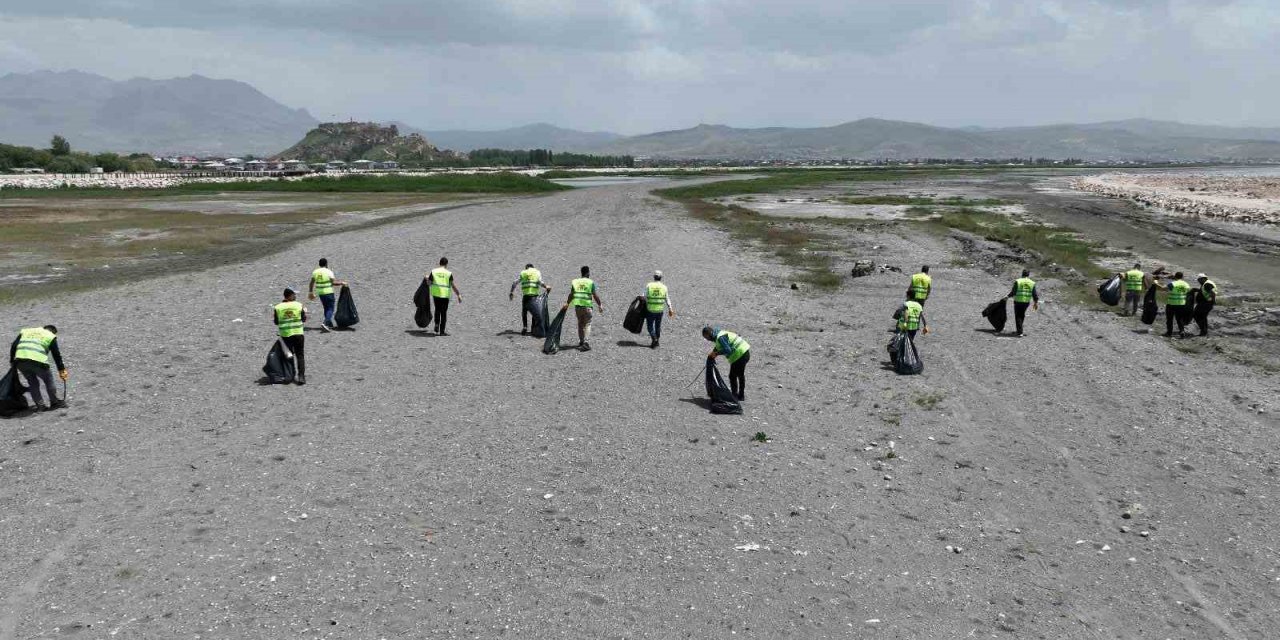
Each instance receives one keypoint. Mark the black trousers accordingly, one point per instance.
(36, 373)
(1202, 316)
(442, 313)
(738, 376)
(295, 345)
(526, 309)
(1173, 313)
(1020, 314)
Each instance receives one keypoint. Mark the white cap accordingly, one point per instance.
(657, 274)
(1201, 275)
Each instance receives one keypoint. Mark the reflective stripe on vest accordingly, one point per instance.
(33, 345)
(1133, 280)
(920, 284)
(441, 279)
(1178, 293)
(530, 279)
(1023, 288)
(656, 296)
(737, 345)
(1212, 297)
(582, 289)
(911, 312)
(324, 281)
(289, 318)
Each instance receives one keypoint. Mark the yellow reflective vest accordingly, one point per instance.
(33, 345)
(656, 296)
(289, 318)
(441, 282)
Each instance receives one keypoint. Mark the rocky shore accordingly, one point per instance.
(1247, 199)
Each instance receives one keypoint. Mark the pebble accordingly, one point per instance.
(1144, 533)
(546, 496)
(1124, 529)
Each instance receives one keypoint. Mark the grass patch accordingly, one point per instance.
(760, 436)
(785, 180)
(928, 401)
(918, 201)
(1053, 245)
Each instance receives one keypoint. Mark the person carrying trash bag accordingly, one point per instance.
(657, 300)
(1204, 304)
(1024, 294)
(1134, 284)
(442, 284)
(289, 316)
(1174, 311)
(530, 284)
(921, 286)
(322, 284)
(910, 317)
(583, 296)
(736, 351)
(30, 354)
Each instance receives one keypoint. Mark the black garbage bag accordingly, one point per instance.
(722, 400)
(1110, 291)
(345, 315)
(634, 320)
(1149, 306)
(906, 359)
(537, 307)
(281, 367)
(997, 313)
(11, 389)
(552, 343)
(422, 302)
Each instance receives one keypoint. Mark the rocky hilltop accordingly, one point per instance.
(349, 141)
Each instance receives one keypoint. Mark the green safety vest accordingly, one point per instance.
(1023, 287)
(1208, 283)
(582, 289)
(911, 312)
(441, 280)
(324, 281)
(530, 279)
(1178, 291)
(1133, 280)
(656, 294)
(920, 285)
(33, 345)
(736, 343)
(289, 318)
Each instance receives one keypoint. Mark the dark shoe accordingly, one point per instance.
(586, 346)
(301, 379)
(1168, 335)
(57, 404)
(324, 328)
(1020, 334)
(40, 407)
(1182, 334)
(524, 332)
(740, 396)
(653, 343)
(443, 333)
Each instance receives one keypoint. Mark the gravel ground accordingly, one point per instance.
(471, 486)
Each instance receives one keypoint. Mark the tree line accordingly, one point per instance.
(544, 158)
(60, 158)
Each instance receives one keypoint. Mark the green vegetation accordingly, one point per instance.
(956, 201)
(1053, 245)
(928, 401)
(59, 158)
(796, 179)
(760, 437)
(543, 158)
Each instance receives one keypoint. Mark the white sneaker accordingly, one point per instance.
(324, 328)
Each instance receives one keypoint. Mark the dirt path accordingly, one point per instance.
(471, 486)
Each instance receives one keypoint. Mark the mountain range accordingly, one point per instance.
(199, 115)
(194, 114)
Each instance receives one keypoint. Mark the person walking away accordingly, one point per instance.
(1024, 294)
(1173, 306)
(737, 351)
(910, 317)
(921, 286)
(657, 300)
(289, 317)
(1134, 279)
(441, 283)
(582, 292)
(530, 284)
(322, 284)
(29, 354)
(1208, 296)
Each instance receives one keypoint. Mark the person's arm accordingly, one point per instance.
(275, 319)
(1013, 292)
(304, 314)
(897, 313)
(924, 323)
(13, 349)
(722, 345)
(311, 288)
(1213, 291)
(545, 286)
(671, 310)
(514, 286)
(594, 289)
(57, 355)
(1035, 293)
(457, 293)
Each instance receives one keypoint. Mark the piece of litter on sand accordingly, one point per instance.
(873, 621)
(750, 546)
(548, 496)
(238, 320)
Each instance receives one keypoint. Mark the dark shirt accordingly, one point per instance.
(53, 350)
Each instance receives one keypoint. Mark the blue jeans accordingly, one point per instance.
(654, 322)
(328, 301)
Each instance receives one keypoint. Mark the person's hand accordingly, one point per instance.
(712, 355)
(926, 331)
(1035, 306)
(671, 313)
(62, 373)
(511, 296)
(311, 296)
(564, 307)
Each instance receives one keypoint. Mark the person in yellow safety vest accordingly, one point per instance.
(322, 284)
(1174, 305)
(1208, 297)
(910, 317)
(736, 350)
(30, 354)
(1134, 281)
(289, 316)
(441, 283)
(1024, 294)
(530, 284)
(921, 286)
(657, 300)
(582, 291)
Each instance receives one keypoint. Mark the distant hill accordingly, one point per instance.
(195, 114)
(348, 141)
(876, 139)
(533, 136)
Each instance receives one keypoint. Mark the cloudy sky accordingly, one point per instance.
(634, 66)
